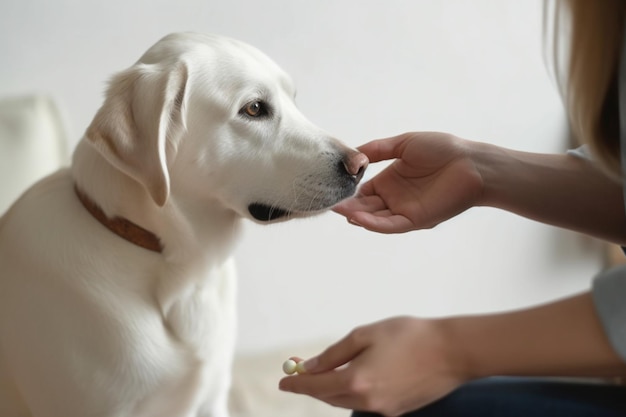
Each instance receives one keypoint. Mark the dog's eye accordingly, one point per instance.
(255, 109)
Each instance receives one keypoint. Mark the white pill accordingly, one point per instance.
(289, 367)
(300, 367)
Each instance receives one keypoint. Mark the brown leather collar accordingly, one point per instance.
(121, 226)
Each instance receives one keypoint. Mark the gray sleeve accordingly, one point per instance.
(609, 296)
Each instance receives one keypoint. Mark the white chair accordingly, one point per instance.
(33, 144)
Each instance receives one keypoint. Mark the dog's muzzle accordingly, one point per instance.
(348, 173)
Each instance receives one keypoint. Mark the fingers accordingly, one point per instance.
(342, 388)
(327, 379)
(366, 200)
(334, 388)
(325, 374)
(370, 204)
(338, 354)
(373, 216)
(371, 213)
(322, 378)
(321, 385)
(382, 222)
(383, 149)
(348, 401)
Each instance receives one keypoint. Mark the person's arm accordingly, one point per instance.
(563, 338)
(435, 176)
(561, 190)
(402, 364)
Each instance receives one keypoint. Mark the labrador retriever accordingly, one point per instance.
(117, 288)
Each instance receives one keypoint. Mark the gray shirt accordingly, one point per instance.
(609, 296)
(609, 291)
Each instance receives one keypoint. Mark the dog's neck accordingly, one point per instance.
(120, 226)
(187, 232)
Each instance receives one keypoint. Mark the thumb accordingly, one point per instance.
(384, 149)
(336, 355)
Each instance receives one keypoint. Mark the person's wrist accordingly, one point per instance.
(458, 358)
(487, 160)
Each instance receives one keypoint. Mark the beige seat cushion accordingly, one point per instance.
(32, 144)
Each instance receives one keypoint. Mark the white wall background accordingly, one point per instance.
(364, 69)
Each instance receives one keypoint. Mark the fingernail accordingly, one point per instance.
(354, 222)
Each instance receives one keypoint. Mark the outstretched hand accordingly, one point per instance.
(389, 367)
(431, 180)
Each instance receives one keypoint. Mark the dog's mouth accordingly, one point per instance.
(265, 213)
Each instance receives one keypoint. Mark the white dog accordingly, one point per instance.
(116, 288)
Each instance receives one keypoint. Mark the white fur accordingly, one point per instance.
(92, 325)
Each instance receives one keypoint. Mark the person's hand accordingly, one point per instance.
(389, 367)
(431, 180)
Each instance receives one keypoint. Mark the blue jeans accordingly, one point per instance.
(526, 397)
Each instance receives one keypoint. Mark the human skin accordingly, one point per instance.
(435, 176)
(401, 364)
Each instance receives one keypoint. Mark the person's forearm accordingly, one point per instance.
(561, 190)
(564, 338)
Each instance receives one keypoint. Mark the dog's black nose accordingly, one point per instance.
(355, 164)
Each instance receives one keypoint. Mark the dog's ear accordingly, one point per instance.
(138, 127)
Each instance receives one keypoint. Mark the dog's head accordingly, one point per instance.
(203, 119)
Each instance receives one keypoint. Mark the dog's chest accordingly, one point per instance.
(202, 315)
(200, 320)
